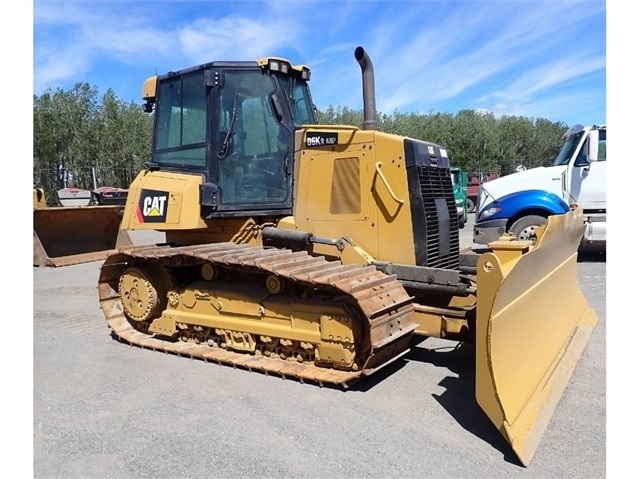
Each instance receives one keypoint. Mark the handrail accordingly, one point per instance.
(378, 169)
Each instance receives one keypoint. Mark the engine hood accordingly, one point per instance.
(540, 178)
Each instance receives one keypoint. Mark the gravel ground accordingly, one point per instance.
(102, 409)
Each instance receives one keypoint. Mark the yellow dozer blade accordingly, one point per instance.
(533, 323)
(65, 235)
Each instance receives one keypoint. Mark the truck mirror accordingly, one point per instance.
(593, 147)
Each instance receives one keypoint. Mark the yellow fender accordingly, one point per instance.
(533, 323)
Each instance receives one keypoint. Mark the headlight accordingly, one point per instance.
(488, 212)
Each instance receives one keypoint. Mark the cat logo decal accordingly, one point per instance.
(152, 206)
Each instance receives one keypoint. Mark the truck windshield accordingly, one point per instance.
(455, 176)
(568, 149)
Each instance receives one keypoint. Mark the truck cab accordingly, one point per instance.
(520, 202)
(460, 190)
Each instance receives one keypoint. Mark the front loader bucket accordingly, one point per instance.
(533, 323)
(70, 235)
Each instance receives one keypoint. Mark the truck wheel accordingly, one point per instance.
(524, 228)
(470, 205)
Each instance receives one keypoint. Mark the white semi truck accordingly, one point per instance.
(519, 202)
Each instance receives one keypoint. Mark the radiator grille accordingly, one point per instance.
(442, 232)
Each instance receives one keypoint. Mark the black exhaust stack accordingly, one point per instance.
(368, 87)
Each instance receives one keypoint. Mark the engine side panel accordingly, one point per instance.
(377, 190)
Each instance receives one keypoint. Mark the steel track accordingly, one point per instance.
(382, 302)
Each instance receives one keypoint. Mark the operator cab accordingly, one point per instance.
(233, 123)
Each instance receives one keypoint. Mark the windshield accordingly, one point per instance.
(300, 100)
(568, 149)
(454, 175)
(253, 145)
(180, 134)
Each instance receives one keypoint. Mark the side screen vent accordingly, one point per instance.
(345, 189)
(440, 214)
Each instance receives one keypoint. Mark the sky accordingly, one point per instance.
(533, 58)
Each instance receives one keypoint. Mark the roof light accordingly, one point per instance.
(274, 65)
(303, 71)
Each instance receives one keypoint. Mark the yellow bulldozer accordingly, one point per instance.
(322, 252)
(66, 235)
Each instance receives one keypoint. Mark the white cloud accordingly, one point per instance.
(210, 39)
(441, 56)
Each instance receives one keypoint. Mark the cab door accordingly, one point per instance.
(585, 182)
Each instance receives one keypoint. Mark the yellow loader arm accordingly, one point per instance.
(533, 323)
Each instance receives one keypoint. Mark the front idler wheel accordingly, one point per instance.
(143, 292)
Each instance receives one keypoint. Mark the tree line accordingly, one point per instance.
(475, 141)
(84, 140)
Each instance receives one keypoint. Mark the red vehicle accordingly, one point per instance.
(474, 181)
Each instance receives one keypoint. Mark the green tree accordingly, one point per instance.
(82, 141)
(546, 142)
(341, 115)
(474, 140)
